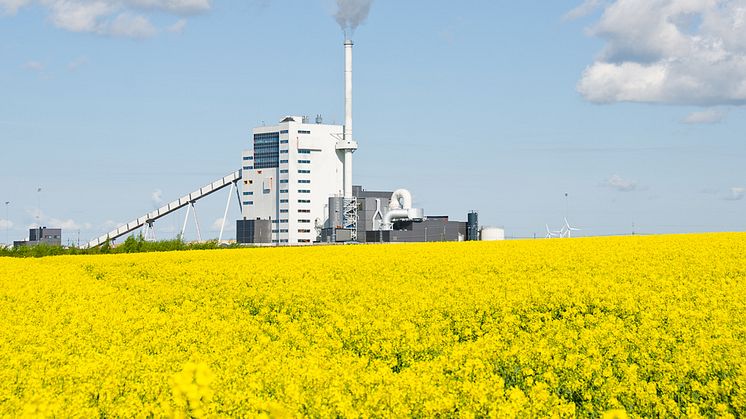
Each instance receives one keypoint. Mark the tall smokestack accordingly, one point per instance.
(348, 119)
(348, 89)
(348, 144)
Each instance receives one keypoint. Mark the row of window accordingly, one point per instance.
(248, 193)
(304, 161)
(304, 151)
(303, 132)
(248, 158)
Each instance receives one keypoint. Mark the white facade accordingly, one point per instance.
(289, 175)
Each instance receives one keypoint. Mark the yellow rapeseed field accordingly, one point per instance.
(638, 326)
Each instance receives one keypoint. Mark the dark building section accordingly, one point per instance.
(432, 229)
(373, 205)
(42, 235)
(472, 226)
(253, 231)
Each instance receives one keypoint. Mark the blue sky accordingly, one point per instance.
(633, 108)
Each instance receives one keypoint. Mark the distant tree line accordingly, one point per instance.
(131, 245)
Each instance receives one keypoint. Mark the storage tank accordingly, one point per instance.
(493, 234)
(472, 226)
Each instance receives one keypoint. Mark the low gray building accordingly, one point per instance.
(42, 235)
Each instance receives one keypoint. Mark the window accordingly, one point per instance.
(303, 151)
(304, 230)
(283, 201)
(248, 158)
(266, 150)
(304, 211)
(283, 230)
(283, 211)
(283, 152)
(284, 131)
(283, 161)
(279, 221)
(283, 191)
(283, 221)
(284, 171)
(304, 221)
(303, 132)
(283, 181)
(248, 193)
(304, 191)
(304, 161)
(247, 167)
(304, 181)
(283, 141)
(304, 171)
(304, 201)
(248, 202)
(284, 241)
(304, 241)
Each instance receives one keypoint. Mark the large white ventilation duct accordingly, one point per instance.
(400, 208)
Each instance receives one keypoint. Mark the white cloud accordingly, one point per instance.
(707, 116)
(33, 66)
(178, 27)
(157, 197)
(68, 224)
(736, 194)
(77, 63)
(588, 7)
(46, 221)
(10, 7)
(690, 52)
(620, 184)
(131, 26)
(123, 18)
(6, 224)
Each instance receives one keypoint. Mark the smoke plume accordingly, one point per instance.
(351, 13)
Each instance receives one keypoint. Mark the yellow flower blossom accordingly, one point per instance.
(600, 327)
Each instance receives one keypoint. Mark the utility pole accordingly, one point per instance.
(38, 207)
(7, 223)
(566, 205)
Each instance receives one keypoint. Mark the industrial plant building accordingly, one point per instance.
(295, 188)
(41, 235)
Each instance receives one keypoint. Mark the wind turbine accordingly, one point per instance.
(567, 229)
(553, 234)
